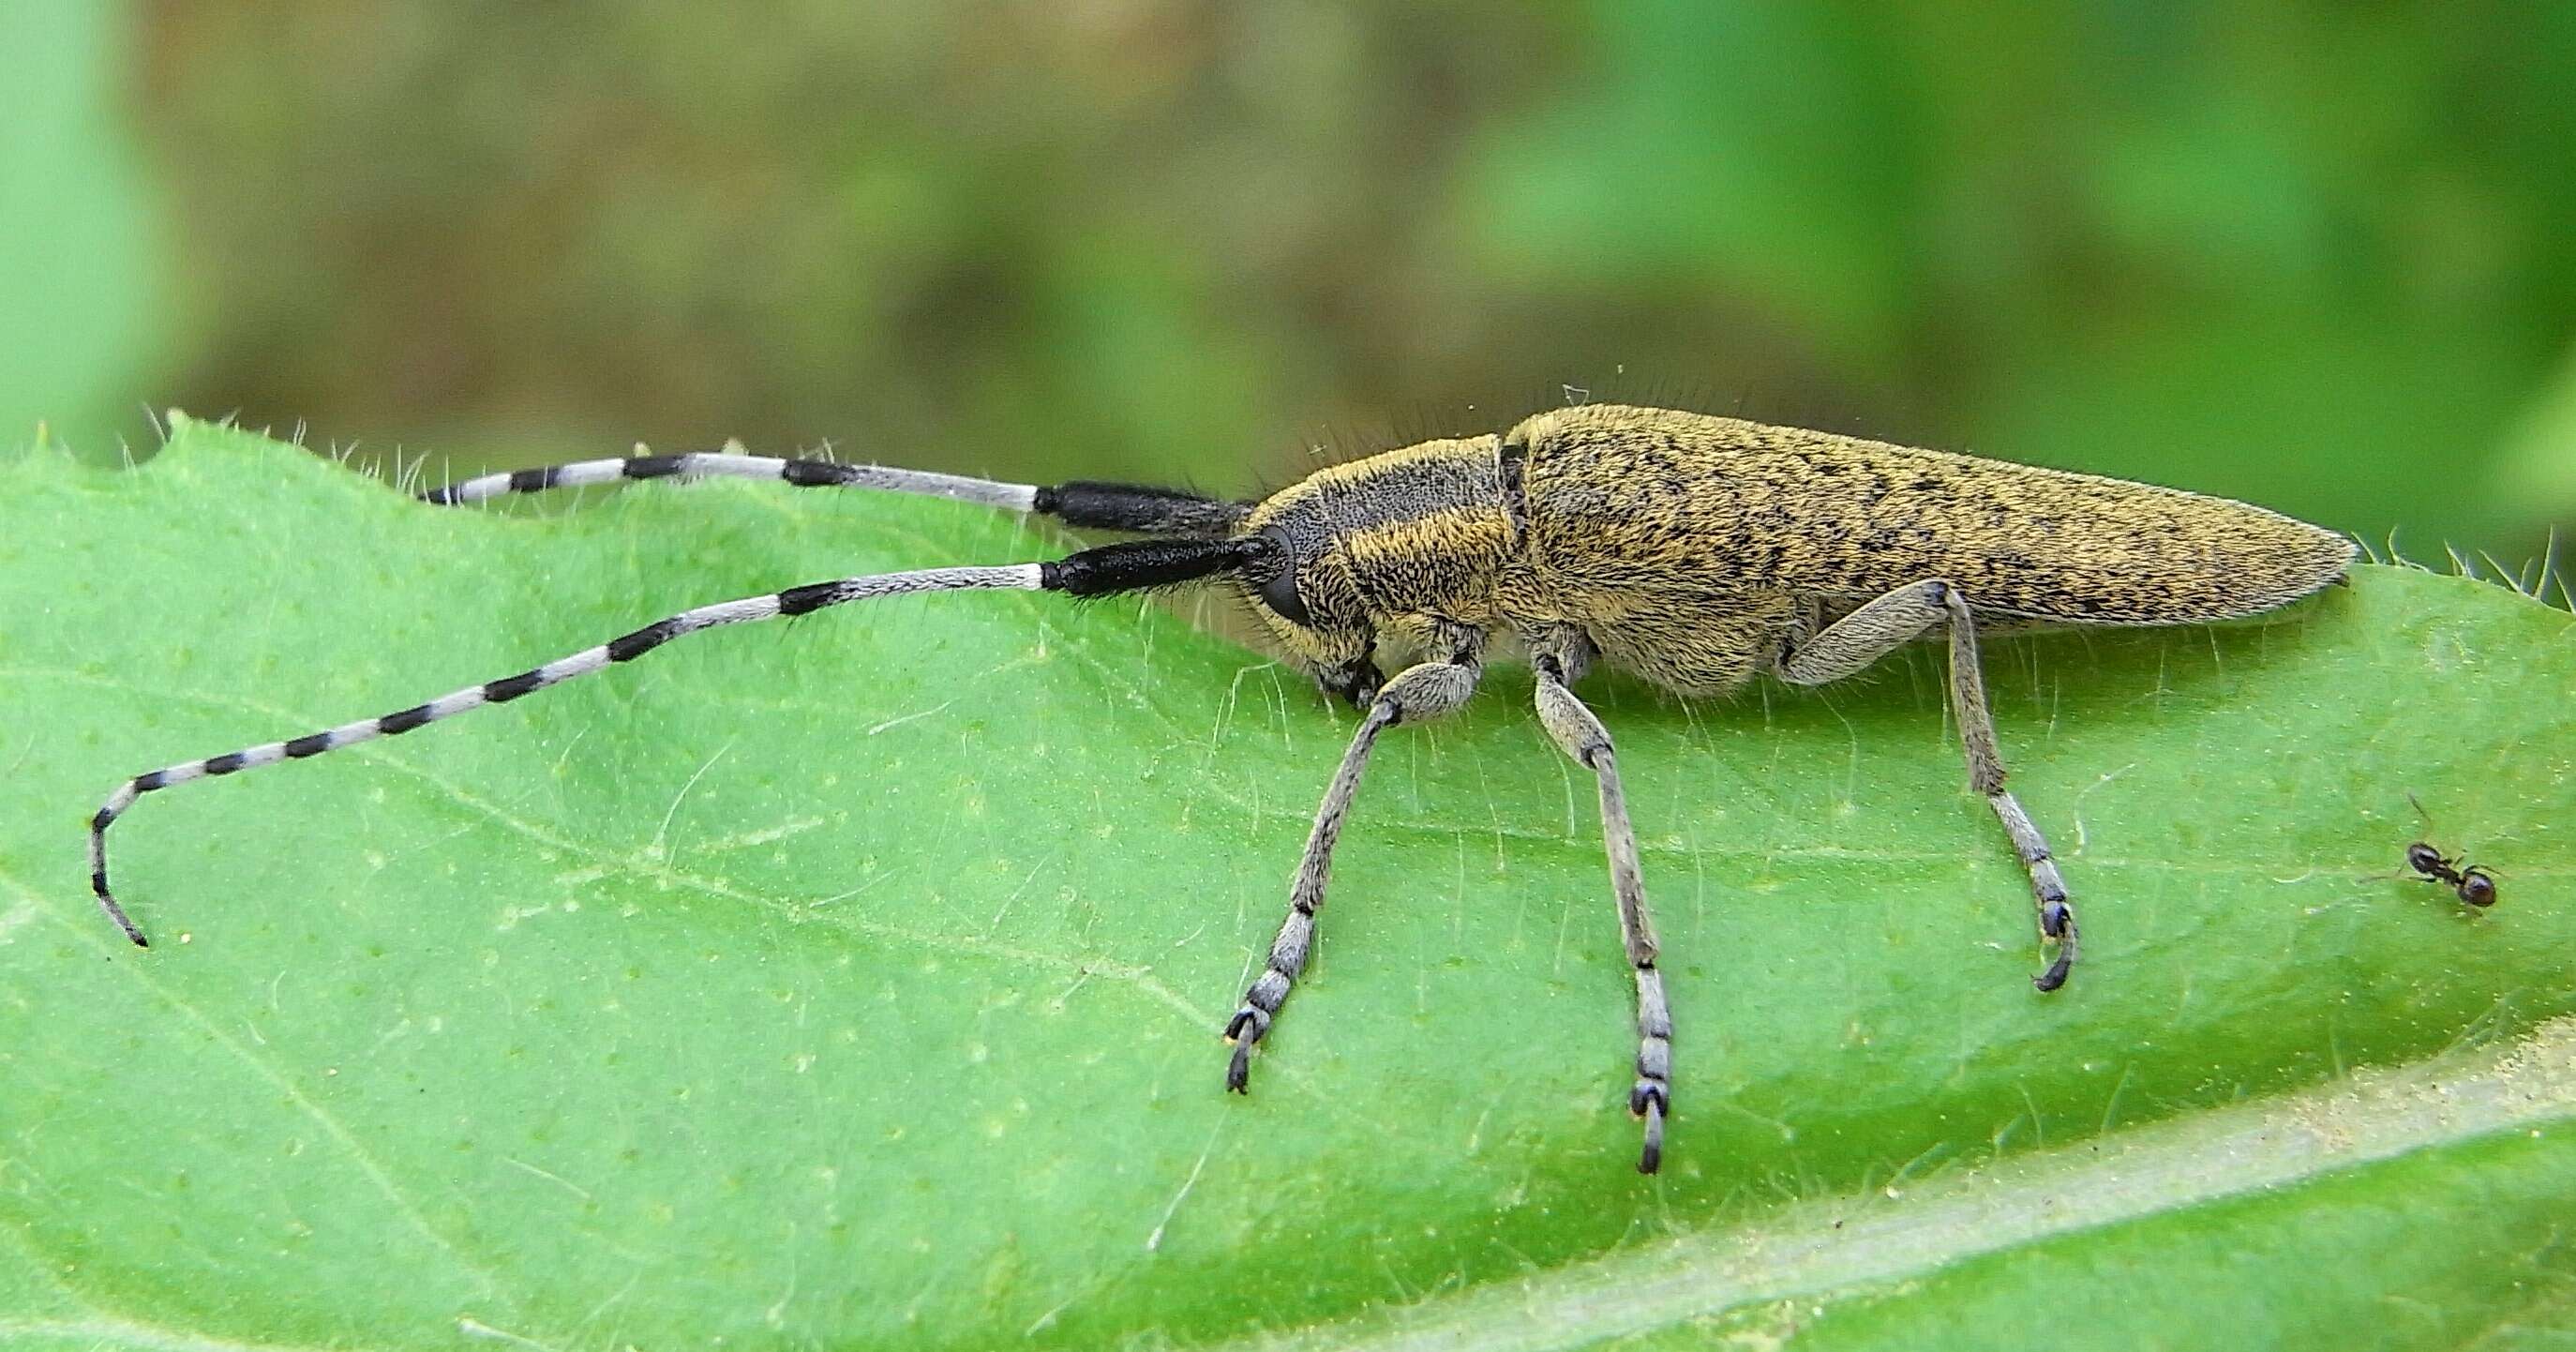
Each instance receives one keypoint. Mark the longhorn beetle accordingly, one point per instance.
(1694, 551)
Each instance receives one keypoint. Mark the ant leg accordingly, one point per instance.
(1900, 616)
(1424, 691)
(1576, 730)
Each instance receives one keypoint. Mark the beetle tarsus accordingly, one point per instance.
(1243, 1030)
(1650, 1100)
(2057, 924)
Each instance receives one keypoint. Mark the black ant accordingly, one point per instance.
(2472, 882)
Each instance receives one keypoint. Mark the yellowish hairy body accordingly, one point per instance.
(1693, 548)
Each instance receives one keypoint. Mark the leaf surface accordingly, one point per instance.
(856, 980)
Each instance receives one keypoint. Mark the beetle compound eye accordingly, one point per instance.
(1279, 591)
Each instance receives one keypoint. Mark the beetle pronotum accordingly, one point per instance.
(1694, 551)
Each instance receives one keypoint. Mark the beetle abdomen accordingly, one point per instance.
(1651, 499)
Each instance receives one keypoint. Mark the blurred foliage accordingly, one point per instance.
(79, 268)
(2310, 254)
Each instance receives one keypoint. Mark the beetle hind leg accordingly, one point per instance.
(1887, 623)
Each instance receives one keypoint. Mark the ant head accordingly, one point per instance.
(2477, 888)
(2425, 859)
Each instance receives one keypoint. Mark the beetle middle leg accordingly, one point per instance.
(1892, 620)
(1561, 657)
(1426, 690)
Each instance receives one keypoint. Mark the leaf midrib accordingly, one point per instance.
(1874, 1240)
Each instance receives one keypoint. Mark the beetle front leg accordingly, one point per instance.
(1897, 618)
(1425, 691)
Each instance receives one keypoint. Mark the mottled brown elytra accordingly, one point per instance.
(1694, 551)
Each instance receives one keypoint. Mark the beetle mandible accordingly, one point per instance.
(1694, 551)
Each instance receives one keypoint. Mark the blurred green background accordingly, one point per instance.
(2317, 255)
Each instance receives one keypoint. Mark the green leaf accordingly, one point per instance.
(855, 981)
